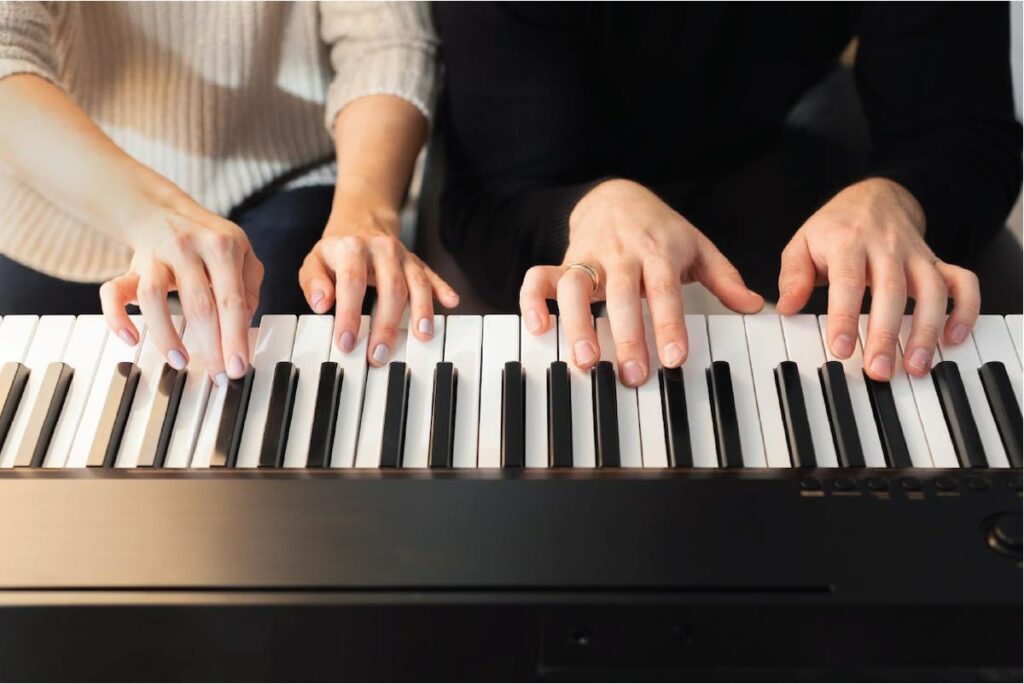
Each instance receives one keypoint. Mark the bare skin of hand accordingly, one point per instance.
(871, 235)
(639, 247)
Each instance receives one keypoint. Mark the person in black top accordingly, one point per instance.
(633, 144)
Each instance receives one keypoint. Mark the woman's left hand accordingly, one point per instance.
(872, 235)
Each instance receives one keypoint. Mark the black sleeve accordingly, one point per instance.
(515, 120)
(936, 87)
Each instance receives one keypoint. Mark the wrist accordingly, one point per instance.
(605, 196)
(886, 192)
(353, 214)
(147, 194)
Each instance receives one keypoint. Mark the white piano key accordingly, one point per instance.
(312, 348)
(803, 344)
(992, 338)
(536, 353)
(83, 355)
(581, 398)
(906, 407)
(15, 335)
(1015, 324)
(350, 402)
(501, 344)
(648, 399)
(863, 414)
(274, 344)
(698, 400)
(630, 446)
(462, 348)
(422, 358)
(207, 439)
(114, 352)
(767, 349)
(929, 410)
(194, 396)
(374, 398)
(728, 340)
(151, 363)
(48, 344)
(965, 356)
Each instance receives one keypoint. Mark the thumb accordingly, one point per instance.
(718, 275)
(796, 277)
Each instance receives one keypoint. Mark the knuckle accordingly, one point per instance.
(885, 338)
(663, 288)
(349, 243)
(926, 330)
(393, 284)
(199, 306)
(350, 277)
(231, 301)
(668, 329)
(387, 246)
(890, 284)
(628, 347)
(386, 331)
(620, 287)
(184, 242)
(418, 279)
(150, 289)
(844, 320)
(223, 245)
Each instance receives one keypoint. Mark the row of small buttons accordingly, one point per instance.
(941, 483)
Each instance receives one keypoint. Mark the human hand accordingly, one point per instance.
(360, 247)
(872, 235)
(638, 246)
(180, 246)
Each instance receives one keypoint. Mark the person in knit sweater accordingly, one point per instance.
(217, 150)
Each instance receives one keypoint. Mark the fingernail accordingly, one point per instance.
(584, 352)
(632, 373)
(882, 366)
(236, 366)
(318, 296)
(348, 341)
(533, 321)
(426, 326)
(920, 359)
(753, 294)
(380, 353)
(959, 333)
(176, 359)
(127, 337)
(843, 346)
(221, 379)
(672, 354)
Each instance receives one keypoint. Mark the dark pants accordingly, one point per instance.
(282, 227)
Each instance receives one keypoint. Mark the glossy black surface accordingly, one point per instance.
(442, 417)
(840, 415)
(114, 418)
(1005, 409)
(723, 415)
(890, 431)
(955, 407)
(392, 440)
(794, 415)
(606, 415)
(44, 415)
(559, 416)
(13, 377)
(232, 420)
(160, 423)
(673, 411)
(513, 416)
(279, 414)
(325, 415)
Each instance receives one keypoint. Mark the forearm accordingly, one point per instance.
(377, 140)
(52, 145)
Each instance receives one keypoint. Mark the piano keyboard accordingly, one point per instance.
(756, 392)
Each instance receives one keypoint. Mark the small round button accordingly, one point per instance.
(945, 484)
(877, 484)
(842, 484)
(911, 484)
(809, 483)
(1006, 534)
(978, 484)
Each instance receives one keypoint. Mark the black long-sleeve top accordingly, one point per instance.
(543, 100)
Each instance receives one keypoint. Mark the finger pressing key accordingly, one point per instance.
(391, 298)
(966, 293)
(154, 285)
(232, 310)
(625, 316)
(539, 285)
(930, 299)
(574, 289)
(846, 282)
(665, 300)
(888, 301)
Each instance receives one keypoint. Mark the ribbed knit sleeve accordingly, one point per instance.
(26, 40)
(379, 48)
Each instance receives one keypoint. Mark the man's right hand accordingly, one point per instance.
(180, 246)
(638, 246)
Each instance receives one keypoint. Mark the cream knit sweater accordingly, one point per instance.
(222, 98)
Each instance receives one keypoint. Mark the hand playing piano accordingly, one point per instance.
(360, 247)
(637, 246)
(871, 235)
(180, 246)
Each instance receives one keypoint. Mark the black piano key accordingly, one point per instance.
(232, 418)
(559, 416)
(13, 378)
(894, 444)
(442, 416)
(114, 418)
(1005, 409)
(723, 415)
(160, 425)
(606, 415)
(957, 410)
(794, 415)
(840, 415)
(279, 414)
(392, 442)
(43, 418)
(673, 410)
(325, 415)
(513, 416)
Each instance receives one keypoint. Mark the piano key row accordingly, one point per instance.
(756, 391)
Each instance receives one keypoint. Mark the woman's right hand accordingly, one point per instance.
(180, 246)
(637, 246)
